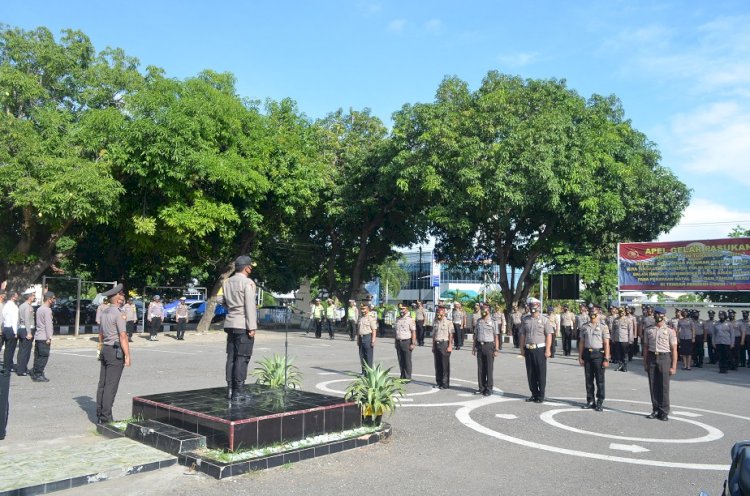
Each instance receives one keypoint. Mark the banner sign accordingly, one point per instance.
(705, 265)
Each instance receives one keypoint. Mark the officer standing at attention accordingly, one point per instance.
(9, 321)
(330, 316)
(700, 336)
(660, 362)
(622, 334)
(630, 313)
(567, 320)
(442, 346)
(420, 317)
(115, 354)
(352, 316)
(486, 346)
(516, 318)
(708, 329)
(367, 332)
(458, 316)
(318, 313)
(43, 337)
(131, 318)
(26, 327)
(723, 340)
(686, 337)
(744, 330)
(406, 339)
(734, 352)
(536, 341)
(499, 318)
(155, 316)
(181, 317)
(240, 323)
(593, 355)
(581, 318)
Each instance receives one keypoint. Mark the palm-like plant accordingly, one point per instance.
(375, 391)
(270, 372)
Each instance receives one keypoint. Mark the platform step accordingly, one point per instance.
(165, 437)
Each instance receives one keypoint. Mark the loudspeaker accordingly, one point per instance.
(563, 287)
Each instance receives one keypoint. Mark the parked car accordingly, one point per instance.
(196, 309)
(64, 312)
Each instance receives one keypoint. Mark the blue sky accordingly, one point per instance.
(681, 68)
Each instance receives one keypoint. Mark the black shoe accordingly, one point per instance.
(652, 415)
(487, 393)
(530, 399)
(588, 405)
(624, 369)
(598, 407)
(42, 378)
(539, 400)
(21, 374)
(663, 417)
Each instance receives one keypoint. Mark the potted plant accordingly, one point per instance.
(274, 371)
(375, 392)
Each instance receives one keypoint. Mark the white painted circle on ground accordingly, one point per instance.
(712, 433)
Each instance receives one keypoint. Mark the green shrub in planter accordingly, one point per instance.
(375, 392)
(270, 372)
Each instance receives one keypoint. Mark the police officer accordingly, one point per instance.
(593, 356)
(367, 332)
(686, 337)
(632, 347)
(708, 329)
(155, 316)
(499, 318)
(660, 362)
(723, 341)
(102, 306)
(622, 334)
(131, 318)
(420, 317)
(516, 319)
(43, 337)
(442, 346)
(734, 352)
(581, 318)
(535, 341)
(458, 317)
(406, 339)
(240, 324)
(330, 316)
(352, 316)
(9, 324)
(318, 313)
(744, 330)
(26, 326)
(115, 354)
(486, 346)
(181, 314)
(700, 339)
(567, 321)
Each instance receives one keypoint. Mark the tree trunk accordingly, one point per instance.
(208, 316)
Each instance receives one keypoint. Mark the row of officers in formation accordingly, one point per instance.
(600, 340)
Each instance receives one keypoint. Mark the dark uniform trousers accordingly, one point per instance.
(746, 351)
(658, 381)
(364, 343)
(594, 374)
(698, 351)
(181, 325)
(458, 333)
(130, 328)
(485, 365)
(9, 341)
(536, 371)
(723, 350)
(621, 350)
(712, 353)
(420, 332)
(329, 326)
(155, 326)
(352, 327)
(239, 351)
(24, 351)
(318, 327)
(41, 356)
(633, 349)
(403, 353)
(567, 339)
(734, 354)
(4, 403)
(516, 329)
(110, 372)
(442, 363)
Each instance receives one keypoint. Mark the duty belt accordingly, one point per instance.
(535, 346)
(657, 353)
(591, 350)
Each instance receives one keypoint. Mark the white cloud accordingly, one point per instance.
(706, 219)
(712, 139)
(397, 25)
(520, 59)
(433, 25)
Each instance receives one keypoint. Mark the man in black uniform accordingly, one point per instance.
(240, 324)
(114, 353)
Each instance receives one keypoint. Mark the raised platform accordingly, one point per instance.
(263, 416)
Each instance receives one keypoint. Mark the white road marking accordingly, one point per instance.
(633, 448)
(687, 414)
(507, 416)
(165, 351)
(92, 355)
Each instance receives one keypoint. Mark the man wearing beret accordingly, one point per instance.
(240, 323)
(660, 362)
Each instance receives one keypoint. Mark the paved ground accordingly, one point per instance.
(444, 441)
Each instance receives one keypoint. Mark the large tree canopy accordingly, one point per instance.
(527, 165)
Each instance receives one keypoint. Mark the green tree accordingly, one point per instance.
(392, 276)
(526, 166)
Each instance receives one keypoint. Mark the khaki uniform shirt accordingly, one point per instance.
(239, 300)
(486, 330)
(660, 339)
(623, 330)
(26, 316)
(130, 312)
(536, 329)
(457, 316)
(155, 310)
(112, 324)
(181, 312)
(367, 324)
(593, 335)
(499, 318)
(567, 319)
(420, 314)
(516, 318)
(404, 327)
(441, 329)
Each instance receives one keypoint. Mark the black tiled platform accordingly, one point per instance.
(264, 415)
(221, 470)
